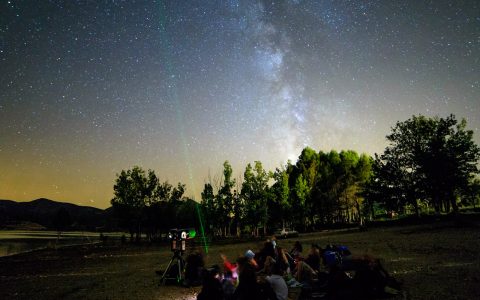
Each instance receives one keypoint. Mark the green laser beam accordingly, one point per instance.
(165, 40)
(200, 218)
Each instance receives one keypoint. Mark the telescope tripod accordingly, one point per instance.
(175, 268)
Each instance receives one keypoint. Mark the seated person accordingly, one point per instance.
(251, 259)
(248, 287)
(304, 273)
(267, 250)
(278, 284)
(282, 260)
(249, 256)
(211, 287)
(314, 258)
(194, 267)
(228, 284)
(267, 266)
(228, 266)
(296, 250)
(369, 277)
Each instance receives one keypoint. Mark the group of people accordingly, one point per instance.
(253, 276)
(332, 272)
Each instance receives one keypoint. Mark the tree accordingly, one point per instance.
(302, 192)
(177, 192)
(363, 173)
(326, 191)
(164, 191)
(249, 197)
(330, 186)
(427, 159)
(237, 212)
(472, 193)
(225, 198)
(208, 206)
(133, 191)
(186, 215)
(256, 194)
(281, 190)
(262, 192)
(307, 166)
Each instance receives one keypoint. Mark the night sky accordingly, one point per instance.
(88, 88)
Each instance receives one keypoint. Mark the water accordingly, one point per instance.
(18, 241)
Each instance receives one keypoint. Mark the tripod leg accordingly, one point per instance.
(183, 265)
(162, 279)
(180, 270)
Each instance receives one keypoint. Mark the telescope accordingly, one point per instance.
(178, 238)
(178, 244)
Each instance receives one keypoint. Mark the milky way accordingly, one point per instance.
(88, 88)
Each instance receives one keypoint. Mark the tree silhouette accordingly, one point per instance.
(431, 160)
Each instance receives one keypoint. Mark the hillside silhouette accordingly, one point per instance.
(44, 212)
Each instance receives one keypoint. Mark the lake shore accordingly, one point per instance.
(433, 261)
(14, 242)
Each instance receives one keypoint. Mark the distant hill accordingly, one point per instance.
(43, 212)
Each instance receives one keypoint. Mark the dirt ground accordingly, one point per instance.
(434, 261)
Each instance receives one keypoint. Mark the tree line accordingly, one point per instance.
(321, 188)
(144, 205)
(429, 162)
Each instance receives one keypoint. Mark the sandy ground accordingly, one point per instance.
(435, 261)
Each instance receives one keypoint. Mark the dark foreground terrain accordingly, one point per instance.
(434, 261)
